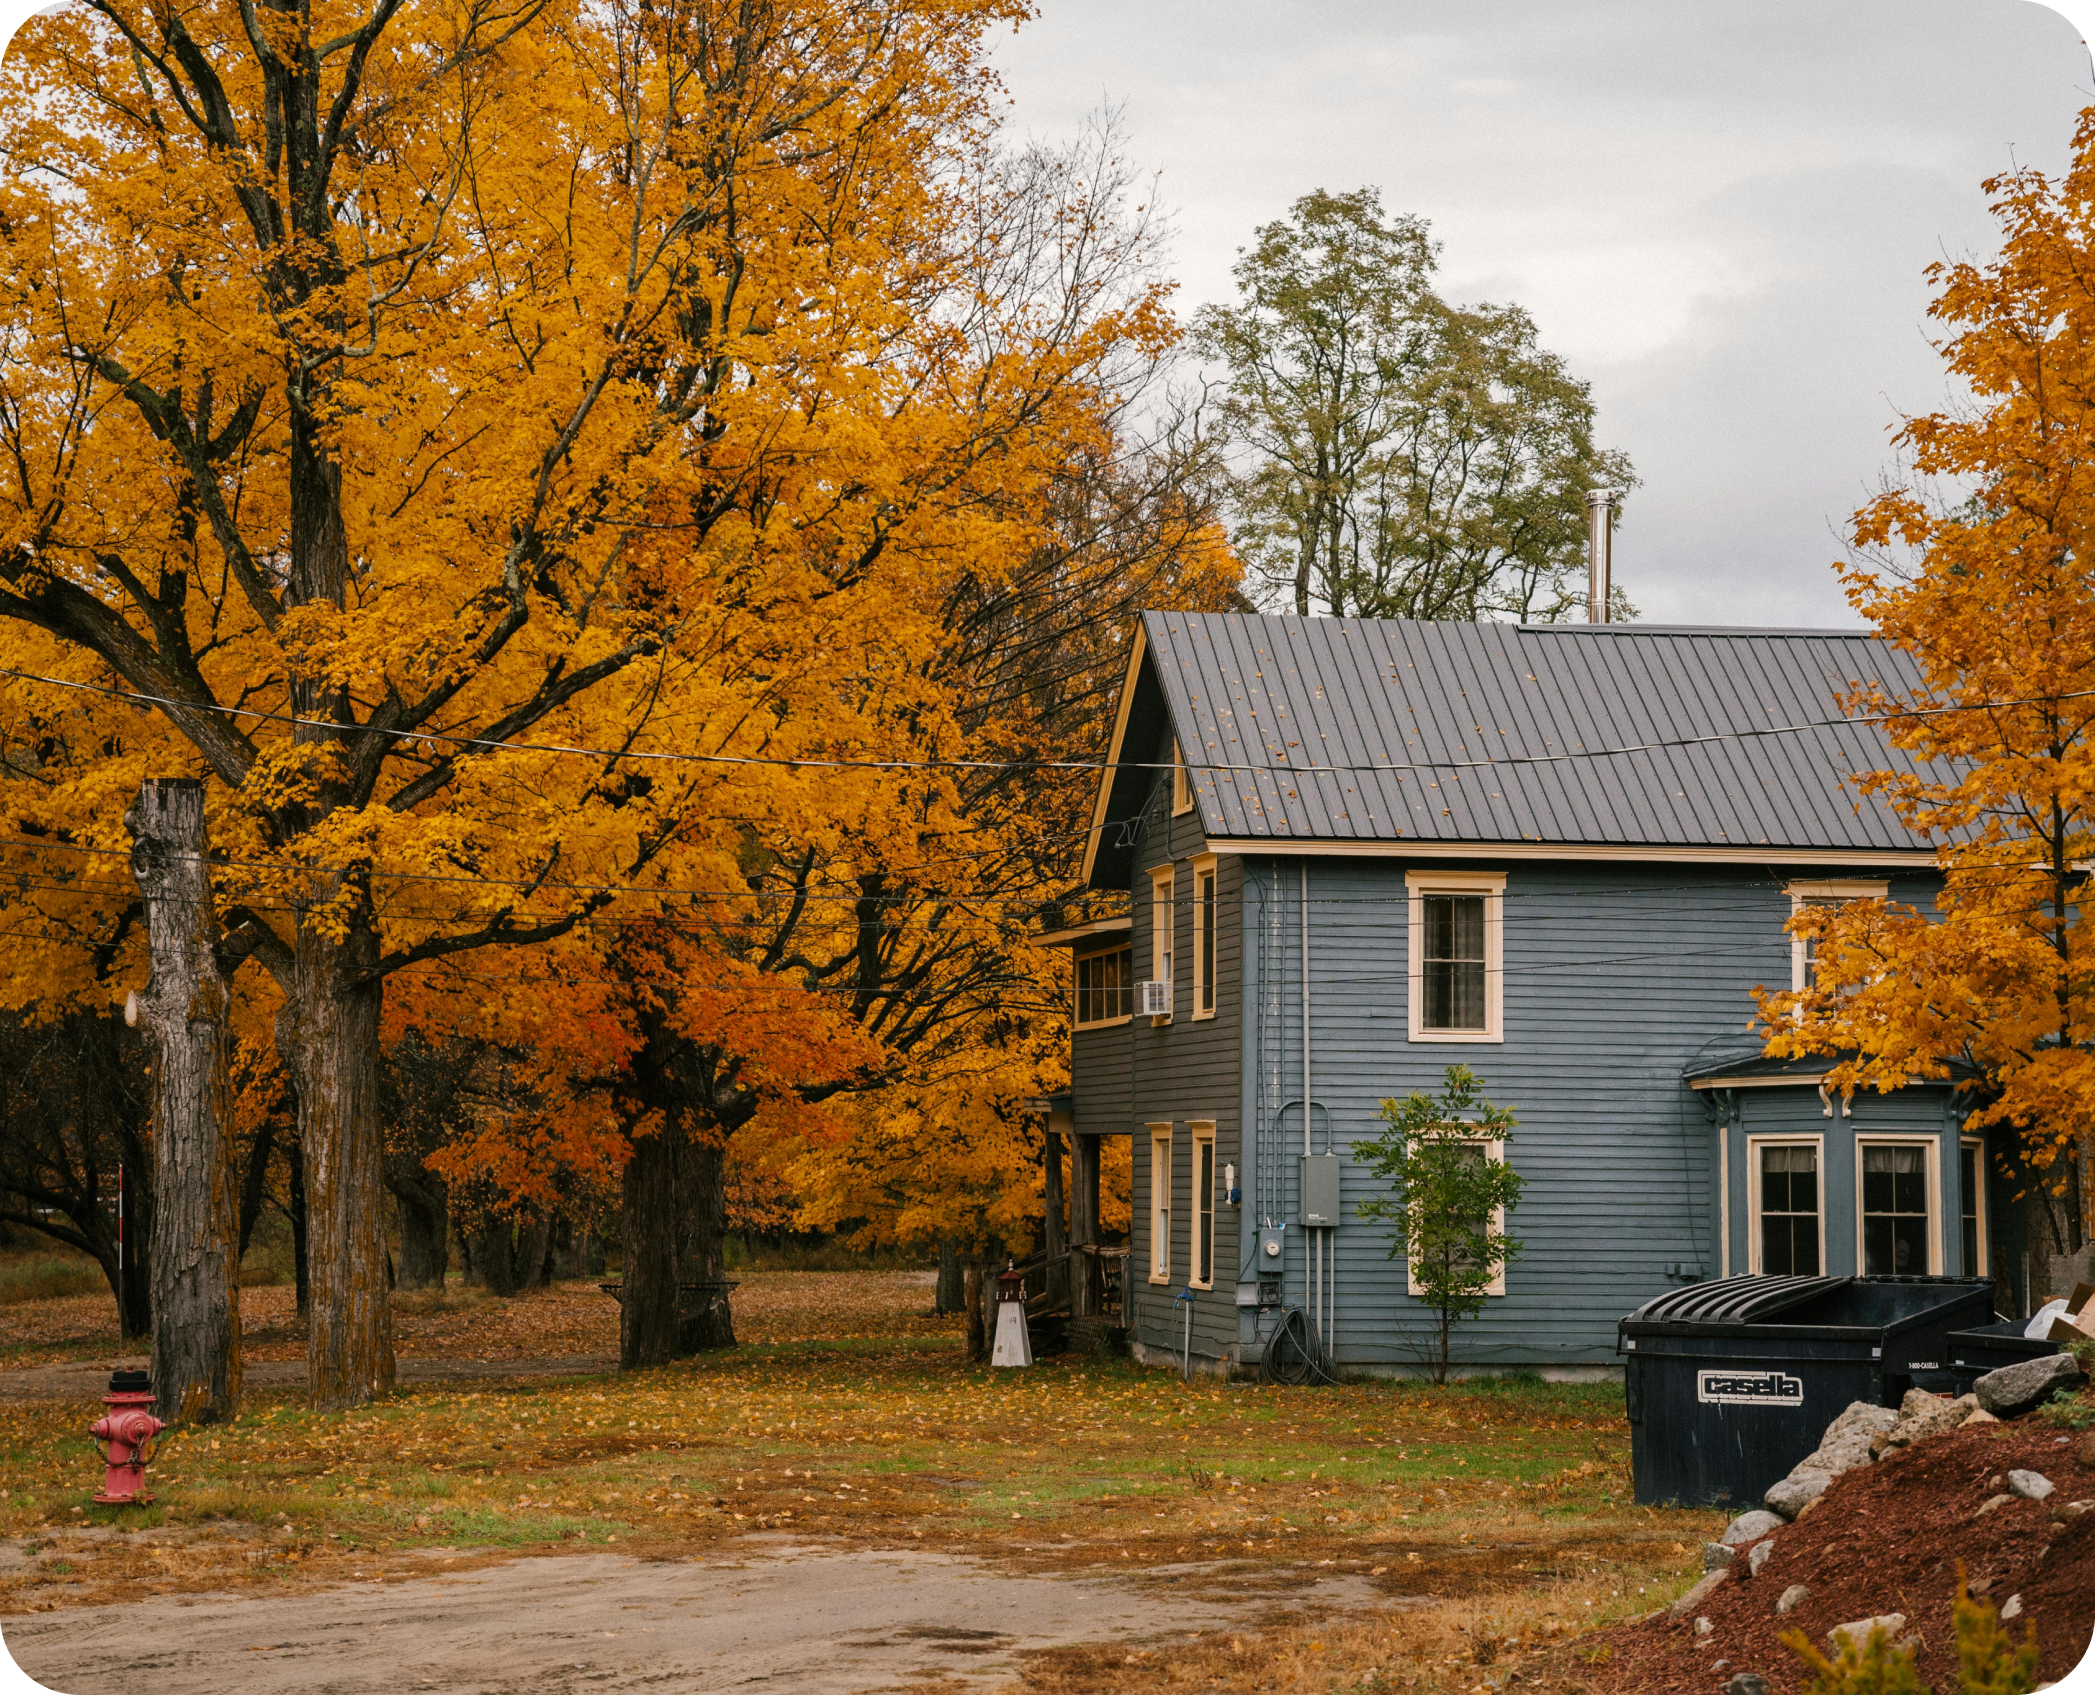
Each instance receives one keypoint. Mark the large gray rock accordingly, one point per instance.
(2018, 1387)
(1925, 1415)
(1759, 1555)
(1857, 1631)
(1700, 1593)
(1862, 1418)
(1716, 1556)
(1750, 1527)
(1797, 1491)
(2030, 1485)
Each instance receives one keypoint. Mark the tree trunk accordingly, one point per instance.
(254, 1181)
(327, 1037)
(194, 1252)
(647, 1305)
(425, 1234)
(133, 1281)
(952, 1281)
(301, 1265)
(534, 1241)
(494, 1256)
(706, 1317)
(980, 1290)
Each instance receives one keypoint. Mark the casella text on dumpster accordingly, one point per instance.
(1749, 1388)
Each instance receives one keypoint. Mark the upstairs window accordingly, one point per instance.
(1163, 925)
(1971, 1190)
(1204, 936)
(1803, 950)
(1105, 987)
(1456, 992)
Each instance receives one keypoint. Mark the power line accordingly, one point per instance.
(1099, 765)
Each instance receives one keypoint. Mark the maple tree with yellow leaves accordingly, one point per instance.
(524, 462)
(1993, 595)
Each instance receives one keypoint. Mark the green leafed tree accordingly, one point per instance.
(1394, 456)
(1450, 1192)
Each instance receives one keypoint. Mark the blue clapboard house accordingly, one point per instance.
(1564, 856)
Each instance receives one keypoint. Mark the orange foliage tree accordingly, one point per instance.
(445, 430)
(1991, 590)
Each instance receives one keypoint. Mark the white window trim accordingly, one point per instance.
(1205, 865)
(1076, 1020)
(1817, 891)
(1199, 1206)
(1493, 1150)
(1978, 1146)
(1753, 1146)
(1160, 1151)
(1163, 932)
(1490, 884)
(1181, 784)
(1933, 1144)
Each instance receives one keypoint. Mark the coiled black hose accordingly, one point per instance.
(1293, 1355)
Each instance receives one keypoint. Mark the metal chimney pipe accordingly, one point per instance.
(1600, 562)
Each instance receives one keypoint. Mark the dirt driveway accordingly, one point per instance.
(813, 1620)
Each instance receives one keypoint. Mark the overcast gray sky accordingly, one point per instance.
(1718, 211)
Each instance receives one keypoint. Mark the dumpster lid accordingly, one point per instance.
(1734, 1300)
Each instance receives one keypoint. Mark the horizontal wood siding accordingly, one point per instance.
(1615, 976)
(1184, 1071)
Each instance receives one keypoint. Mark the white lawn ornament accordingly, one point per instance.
(1014, 1343)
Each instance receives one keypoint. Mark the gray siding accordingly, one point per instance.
(1615, 975)
(1181, 1072)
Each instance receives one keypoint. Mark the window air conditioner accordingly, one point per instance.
(1153, 1000)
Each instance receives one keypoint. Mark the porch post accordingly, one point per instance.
(1057, 1281)
(1083, 1225)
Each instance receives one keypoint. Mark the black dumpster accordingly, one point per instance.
(1975, 1352)
(1730, 1383)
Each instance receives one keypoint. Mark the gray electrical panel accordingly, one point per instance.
(1320, 1203)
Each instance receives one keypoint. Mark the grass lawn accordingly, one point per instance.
(1491, 1519)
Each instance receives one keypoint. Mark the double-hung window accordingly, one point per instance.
(1803, 950)
(1496, 1225)
(1163, 927)
(1971, 1193)
(1456, 955)
(1789, 1217)
(1204, 931)
(1160, 1203)
(1105, 987)
(1898, 1188)
(1202, 1214)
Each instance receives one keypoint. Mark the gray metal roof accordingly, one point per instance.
(1360, 729)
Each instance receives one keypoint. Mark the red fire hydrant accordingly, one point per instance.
(126, 1427)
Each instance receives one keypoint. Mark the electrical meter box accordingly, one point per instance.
(1262, 1288)
(1320, 1205)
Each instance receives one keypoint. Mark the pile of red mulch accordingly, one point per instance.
(1888, 1538)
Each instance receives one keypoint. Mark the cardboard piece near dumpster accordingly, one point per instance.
(2077, 1303)
(2063, 1329)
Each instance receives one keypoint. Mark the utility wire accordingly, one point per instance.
(1282, 768)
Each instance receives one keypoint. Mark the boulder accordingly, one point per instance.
(2016, 1388)
(1932, 1417)
(1750, 1527)
(1792, 1598)
(1746, 1683)
(2030, 1485)
(1700, 1593)
(1863, 1418)
(1715, 1556)
(1797, 1491)
(1982, 1416)
(1857, 1631)
(1759, 1555)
